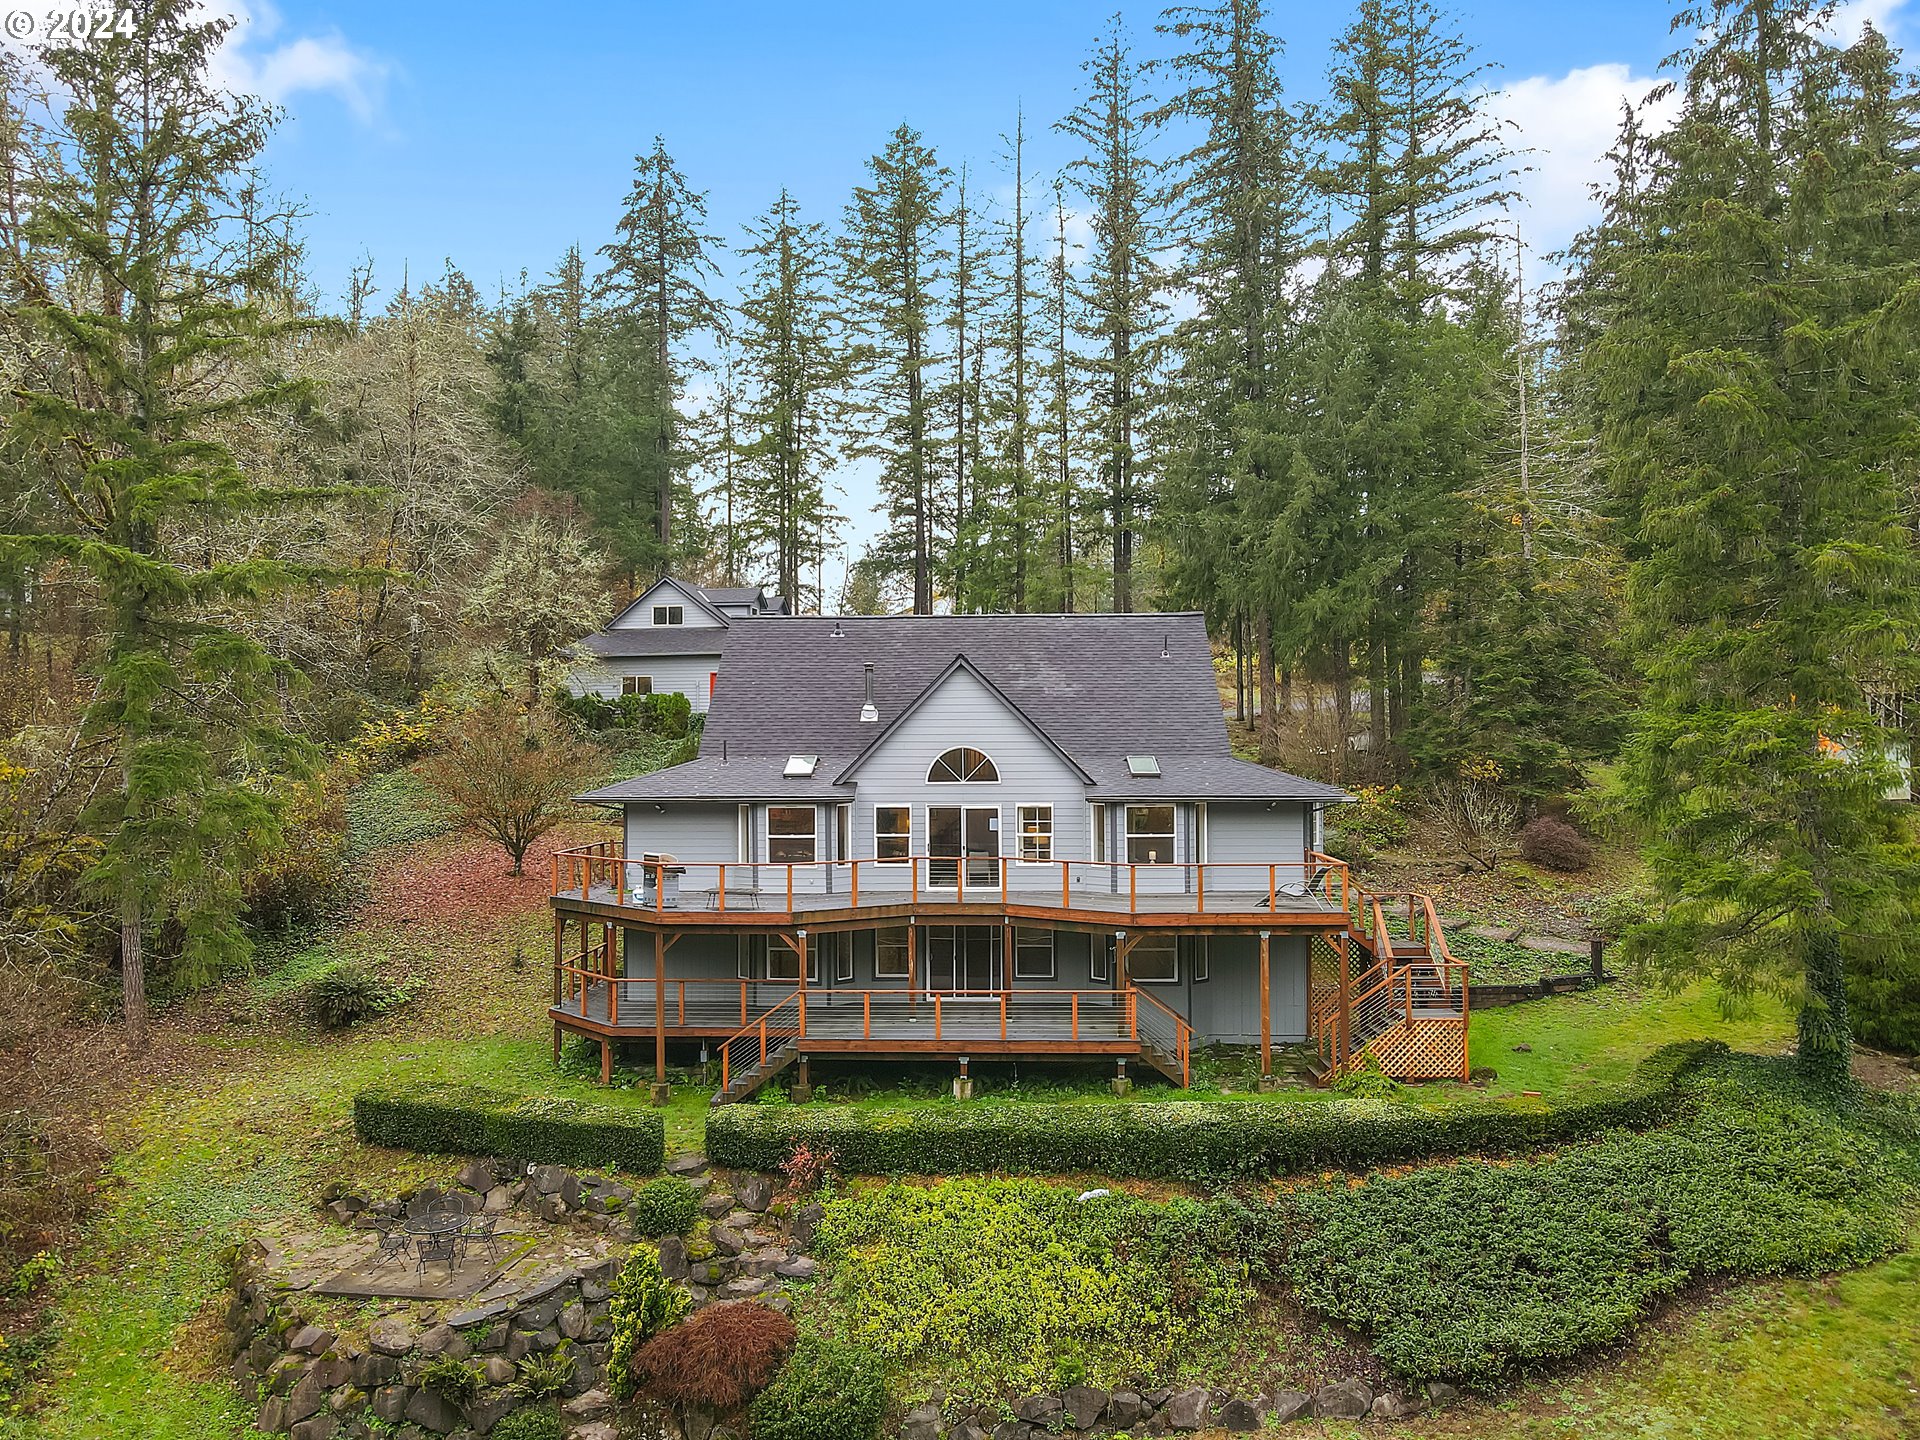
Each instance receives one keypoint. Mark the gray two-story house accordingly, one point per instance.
(670, 638)
(968, 837)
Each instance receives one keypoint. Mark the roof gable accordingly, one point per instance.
(689, 595)
(959, 663)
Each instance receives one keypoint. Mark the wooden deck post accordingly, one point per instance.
(1006, 961)
(556, 1042)
(559, 952)
(659, 1014)
(1266, 1025)
(606, 1061)
(801, 950)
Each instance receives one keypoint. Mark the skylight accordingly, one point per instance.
(1143, 767)
(800, 767)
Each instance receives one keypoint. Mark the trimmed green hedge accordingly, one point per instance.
(466, 1120)
(1198, 1139)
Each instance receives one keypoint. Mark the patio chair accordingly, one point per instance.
(394, 1241)
(481, 1230)
(444, 1248)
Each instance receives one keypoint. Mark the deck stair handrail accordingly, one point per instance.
(748, 1053)
(1159, 1028)
(1405, 982)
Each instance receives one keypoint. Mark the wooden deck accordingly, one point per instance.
(707, 909)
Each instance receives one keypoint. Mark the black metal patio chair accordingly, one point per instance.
(394, 1242)
(443, 1247)
(481, 1230)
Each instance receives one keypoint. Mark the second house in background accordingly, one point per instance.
(669, 639)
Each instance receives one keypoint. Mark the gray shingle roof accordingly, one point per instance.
(655, 640)
(1099, 685)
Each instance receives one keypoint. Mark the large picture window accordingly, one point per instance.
(791, 834)
(1032, 954)
(1036, 832)
(1154, 960)
(963, 765)
(892, 833)
(1149, 834)
(890, 952)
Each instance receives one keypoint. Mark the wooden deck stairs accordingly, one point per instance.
(1405, 1003)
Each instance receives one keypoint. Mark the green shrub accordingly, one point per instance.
(666, 1206)
(452, 1380)
(347, 992)
(1472, 1270)
(641, 1304)
(1196, 1140)
(826, 1391)
(531, 1422)
(440, 1119)
(1375, 820)
(991, 1284)
(667, 713)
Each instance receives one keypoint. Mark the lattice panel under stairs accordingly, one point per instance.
(1424, 1050)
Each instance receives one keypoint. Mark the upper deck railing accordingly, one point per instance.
(601, 872)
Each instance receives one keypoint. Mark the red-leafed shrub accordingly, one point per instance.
(806, 1168)
(717, 1359)
(1553, 844)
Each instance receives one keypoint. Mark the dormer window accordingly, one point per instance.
(963, 765)
(669, 614)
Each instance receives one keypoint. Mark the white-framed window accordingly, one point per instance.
(745, 850)
(1154, 960)
(1149, 834)
(838, 946)
(1199, 956)
(1032, 954)
(1036, 831)
(792, 837)
(892, 833)
(843, 834)
(1101, 967)
(890, 952)
(762, 959)
(963, 765)
(750, 956)
(783, 963)
(669, 615)
(636, 684)
(1099, 832)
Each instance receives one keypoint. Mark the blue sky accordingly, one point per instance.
(498, 134)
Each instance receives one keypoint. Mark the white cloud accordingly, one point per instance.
(1850, 20)
(1569, 122)
(252, 63)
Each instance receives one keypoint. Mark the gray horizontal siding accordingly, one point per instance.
(690, 675)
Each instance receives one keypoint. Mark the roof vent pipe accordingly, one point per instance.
(1165, 646)
(869, 715)
(723, 752)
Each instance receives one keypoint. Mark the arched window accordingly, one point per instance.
(963, 764)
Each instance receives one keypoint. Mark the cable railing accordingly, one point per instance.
(692, 1003)
(773, 1033)
(1157, 1025)
(663, 883)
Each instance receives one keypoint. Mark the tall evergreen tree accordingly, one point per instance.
(1239, 198)
(658, 267)
(895, 263)
(793, 363)
(1014, 333)
(1745, 326)
(147, 305)
(1121, 309)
